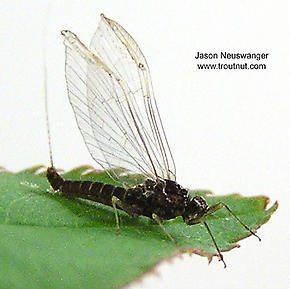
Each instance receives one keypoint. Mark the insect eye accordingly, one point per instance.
(183, 192)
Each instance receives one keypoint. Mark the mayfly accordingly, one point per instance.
(110, 91)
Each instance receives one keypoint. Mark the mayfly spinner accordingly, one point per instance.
(110, 90)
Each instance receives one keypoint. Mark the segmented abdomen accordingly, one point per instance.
(95, 191)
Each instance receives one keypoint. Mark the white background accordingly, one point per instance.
(229, 130)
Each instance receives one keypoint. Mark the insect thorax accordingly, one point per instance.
(165, 198)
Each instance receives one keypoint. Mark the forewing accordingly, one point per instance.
(116, 47)
(109, 88)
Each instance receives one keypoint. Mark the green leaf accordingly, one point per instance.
(48, 241)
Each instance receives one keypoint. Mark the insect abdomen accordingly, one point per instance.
(95, 191)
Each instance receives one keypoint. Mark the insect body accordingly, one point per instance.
(166, 199)
(110, 90)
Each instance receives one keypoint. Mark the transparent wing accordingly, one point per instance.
(110, 90)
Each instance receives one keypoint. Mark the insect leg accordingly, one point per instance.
(215, 244)
(115, 202)
(220, 205)
(159, 222)
(125, 207)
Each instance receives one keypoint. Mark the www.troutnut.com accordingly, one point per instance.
(229, 56)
